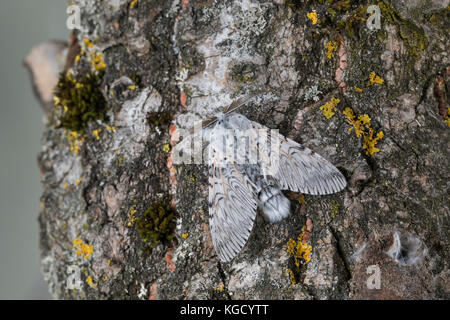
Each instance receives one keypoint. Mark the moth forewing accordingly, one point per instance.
(269, 151)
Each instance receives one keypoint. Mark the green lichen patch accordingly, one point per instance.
(157, 223)
(159, 118)
(440, 19)
(135, 78)
(412, 35)
(354, 20)
(79, 100)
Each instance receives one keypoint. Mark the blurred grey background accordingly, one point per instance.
(23, 24)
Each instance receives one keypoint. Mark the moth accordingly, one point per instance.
(248, 174)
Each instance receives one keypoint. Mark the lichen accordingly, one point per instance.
(374, 79)
(358, 89)
(79, 100)
(96, 133)
(352, 19)
(334, 209)
(159, 118)
(133, 3)
(110, 128)
(313, 93)
(331, 47)
(79, 180)
(329, 107)
(361, 125)
(90, 282)
(369, 142)
(220, 292)
(157, 223)
(166, 148)
(312, 16)
(75, 141)
(94, 55)
(413, 36)
(300, 252)
(291, 276)
(447, 118)
(82, 249)
(131, 216)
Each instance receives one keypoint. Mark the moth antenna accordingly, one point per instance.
(239, 103)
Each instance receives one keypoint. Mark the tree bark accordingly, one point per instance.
(172, 63)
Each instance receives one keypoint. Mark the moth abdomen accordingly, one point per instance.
(273, 204)
(271, 201)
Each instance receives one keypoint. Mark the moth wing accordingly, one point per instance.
(298, 168)
(232, 207)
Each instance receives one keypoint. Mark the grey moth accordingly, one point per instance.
(249, 164)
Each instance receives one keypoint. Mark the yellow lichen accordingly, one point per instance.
(291, 245)
(361, 125)
(96, 133)
(133, 87)
(291, 276)
(82, 249)
(88, 43)
(166, 147)
(131, 216)
(56, 100)
(331, 47)
(329, 107)
(370, 142)
(301, 199)
(299, 249)
(96, 56)
(447, 118)
(357, 124)
(220, 287)
(312, 16)
(300, 252)
(79, 180)
(133, 3)
(75, 141)
(374, 79)
(358, 89)
(90, 282)
(97, 60)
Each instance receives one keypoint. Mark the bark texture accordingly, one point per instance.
(172, 63)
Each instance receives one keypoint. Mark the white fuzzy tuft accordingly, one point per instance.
(407, 249)
(276, 209)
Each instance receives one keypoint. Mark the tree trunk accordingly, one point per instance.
(164, 65)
